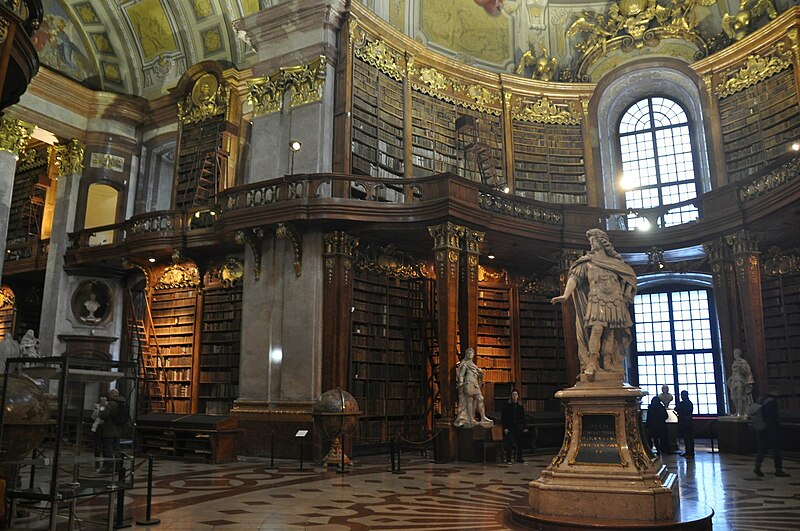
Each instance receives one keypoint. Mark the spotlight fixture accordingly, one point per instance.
(295, 145)
(506, 189)
(151, 260)
(490, 256)
(796, 146)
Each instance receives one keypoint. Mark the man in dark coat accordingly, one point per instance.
(685, 410)
(513, 420)
(768, 434)
(112, 428)
(657, 425)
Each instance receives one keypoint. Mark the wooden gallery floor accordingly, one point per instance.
(248, 496)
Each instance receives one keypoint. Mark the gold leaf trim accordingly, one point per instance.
(544, 111)
(381, 56)
(229, 274)
(755, 69)
(388, 260)
(68, 159)
(178, 276)
(14, 134)
(6, 297)
(204, 101)
(304, 82)
(430, 81)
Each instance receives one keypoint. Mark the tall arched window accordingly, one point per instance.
(657, 162)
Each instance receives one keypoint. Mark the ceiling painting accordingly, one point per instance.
(61, 47)
(152, 28)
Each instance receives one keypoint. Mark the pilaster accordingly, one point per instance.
(338, 253)
(744, 249)
(725, 296)
(468, 307)
(14, 136)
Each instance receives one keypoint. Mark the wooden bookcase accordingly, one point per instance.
(758, 123)
(8, 312)
(548, 162)
(173, 312)
(388, 360)
(28, 200)
(781, 299)
(494, 353)
(196, 141)
(433, 135)
(541, 350)
(219, 349)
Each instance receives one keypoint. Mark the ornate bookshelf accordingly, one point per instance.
(220, 338)
(758, 123)
(197, 140)
(548, 162)
(494, 349)
(541, 349)
(173, 308)
(8, 312)
(26, 211)
(433, 135)
(389, 367)
(781, 299)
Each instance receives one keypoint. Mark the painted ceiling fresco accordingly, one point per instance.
(142, 47)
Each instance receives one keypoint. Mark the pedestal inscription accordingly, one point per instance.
(598, 441)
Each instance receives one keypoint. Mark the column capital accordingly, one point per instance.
(339, 243)
(717, 250)
(472, 240)
(68, 158)
(14, 134)
(743, 241)
(446, 236)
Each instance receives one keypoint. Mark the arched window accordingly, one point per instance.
(657, 162)
(676, 344)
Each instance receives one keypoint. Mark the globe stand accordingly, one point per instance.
(336, 454)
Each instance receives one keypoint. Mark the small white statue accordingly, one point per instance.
(665, 396)
(9, 348)
(469, 378)
(91, 306)
(740, 385)
(29, 345)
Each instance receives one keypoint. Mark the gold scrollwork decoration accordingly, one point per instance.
(230, 273)
(207, 98)
(430, 81)
(488, 275)
(633, 434)
(68, 159)
(303, 82)
(388, 260)
(253, 238)
(381, 56)
(179, 276)
(285, 232)
(569, 432)
(6, 297)
(755, 69)
(14, 134)
(544, 111)
(3, 29)
(777, 262)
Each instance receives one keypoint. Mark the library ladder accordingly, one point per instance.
(145, 349)
(33, 209)
(206, 182)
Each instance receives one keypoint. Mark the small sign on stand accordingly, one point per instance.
(301, 434)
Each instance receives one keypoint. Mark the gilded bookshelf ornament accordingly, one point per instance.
(229, 274)
(381, 56)
(285, 232)
(305, 81)
(544, 111)
(14, 134)
(6, 297)
(207, 98)
(777, 262)
(540, 285)
(755, 69)
(265, 95)
(68, 159)
(489, 275)
(387, 260)
(178, 276)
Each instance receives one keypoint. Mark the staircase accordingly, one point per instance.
(202, 191)
(145, 350)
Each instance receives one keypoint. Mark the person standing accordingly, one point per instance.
(114, 420)
(513, 420)
(657, 425)
(685, 411)
(768, 433)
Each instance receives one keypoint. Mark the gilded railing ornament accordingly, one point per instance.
(68, 158)
(388, 260)
(284, 232)
(208, 98)
(544, 111)
(755, 69)
(778, 177)
(14, 134)
(179, 276)
(518, 209)
(381, 56)
(303, 82)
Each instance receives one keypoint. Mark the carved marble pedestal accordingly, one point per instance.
(603, 470)
(735, 436)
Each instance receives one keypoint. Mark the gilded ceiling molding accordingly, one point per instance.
(777, 262)
(544, 111)
(68, 159)
(14, 134)
(179, 276)
(284, 232)
(389, 261)
(304, 82)
(6, 297)
(208, 98)
(378, 54)
(230, 273)
(253, 238)
(755, 69)
(430, 81)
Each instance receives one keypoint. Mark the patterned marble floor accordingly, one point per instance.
(248, 496)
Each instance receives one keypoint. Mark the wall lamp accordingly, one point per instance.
(294, 147)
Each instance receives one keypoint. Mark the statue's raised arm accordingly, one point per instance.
(602, 286)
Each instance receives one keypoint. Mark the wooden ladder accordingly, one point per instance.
(147, 352)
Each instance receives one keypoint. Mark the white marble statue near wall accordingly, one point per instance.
(740, 385)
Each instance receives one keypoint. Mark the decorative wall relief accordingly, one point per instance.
(179, 276)
(92, 302)
(303, 82)
(755, 69)
(387, 260)
(208, 98)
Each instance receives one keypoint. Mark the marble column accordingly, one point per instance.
(468, 302)
(14, 136)
(744, 249)
(68, 160)
(726, 302)
(339, 248)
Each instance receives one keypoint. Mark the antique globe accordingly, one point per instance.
(26, 417)
(337, 412)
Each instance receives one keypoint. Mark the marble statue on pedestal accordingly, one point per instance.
(9, 348)
(469, 379)
(740, 385)
(665, 396)
(29, 345)
(602, 286)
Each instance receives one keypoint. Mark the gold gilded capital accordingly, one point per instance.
(14, 134)
(68, 158)
(446, 236)
(743, 242)
(717, 250)
(339, 243)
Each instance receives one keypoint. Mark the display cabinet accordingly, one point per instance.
(209, 438)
